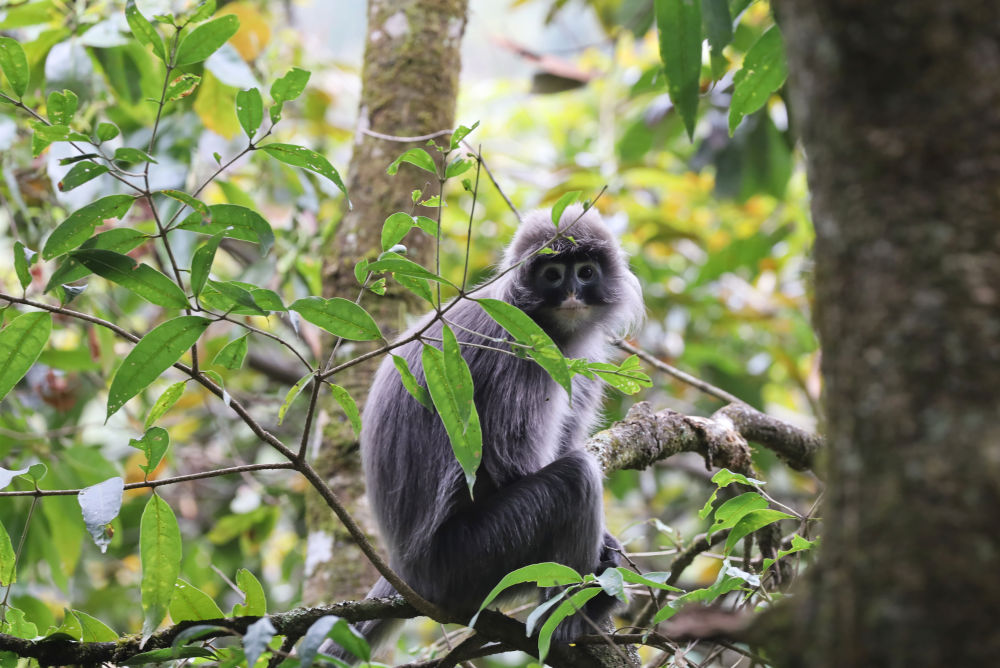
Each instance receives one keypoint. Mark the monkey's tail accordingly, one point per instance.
(376, 631)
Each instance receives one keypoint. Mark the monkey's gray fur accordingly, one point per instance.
(537, 495)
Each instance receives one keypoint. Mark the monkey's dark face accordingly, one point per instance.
(570, 291)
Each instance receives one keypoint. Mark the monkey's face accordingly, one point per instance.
(569, 291)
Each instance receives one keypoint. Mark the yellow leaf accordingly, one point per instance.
(254, 32)
(215, 106)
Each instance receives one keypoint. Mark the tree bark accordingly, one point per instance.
(898, 107)
(409, 87)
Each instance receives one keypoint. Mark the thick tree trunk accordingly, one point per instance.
(410, 82)
(898, 106)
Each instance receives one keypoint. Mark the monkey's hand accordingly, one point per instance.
(611, 553)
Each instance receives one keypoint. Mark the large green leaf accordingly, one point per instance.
(341, 317)
(397, 264)
(232, 221)
(80, 224)
(459, 376)
(289, 86)
(546, 574)
(349, 406)
(417, 157)
(752, 521)
(155, 353)
(300, 156)
(8, 574)
(141, 279)
(764, 71)
(526, 331)
(14, 65)
(144, 30)
(232, 354)
(679, 24)
(249, 110)
(206, 39)
(574, 602)
(21, 343)
(80, 173)
(466, 436)
(254, 601)
(61, 107)
(188, 603)
(160, 555)
(201, 263)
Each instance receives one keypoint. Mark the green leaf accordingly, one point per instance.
(202, 11)
(168, 654)
(656, 580)
(154, 445)
(299, 156)
(232, 354)
(416, 390)
(428, 225)
(100, 504)
(415, 156)
(144, 30)
(798, 545)
(160, 554)
(575, 602)
(466, 436)
(249, 110)
(525, 330)
(457, 167)
(397, 264)
(627, 377)
(233, 221)
(546, 574)
(460, 133)
(752, 521)
(725, 477)
(257, 638)
(531, 622)
(254, 603)
(459, 376)
(132, 155)
(8, 573)
(562, 203)
(339, 316)
(724, 584)
(155, 353)
(182, 86)
(730, 512)
(119, 240)
(14, 65)
(80, 224)
(80, 174)
(417, 286)
(107, 131)
(395, 228)
(192, 202)
(93, 629)
(61, 107)
(718, 24)
(201, 263)
(293, 392)
(679, 23)
(206, 39)
(16, 625)
(350, 407)
(23, 259)
(164, 403)
(764, 71)
(189, 603)
(21, 342)
(238, 295)
(141, 279)
(290, 86)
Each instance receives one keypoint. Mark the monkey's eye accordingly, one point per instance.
(553, 274)
(586, 272)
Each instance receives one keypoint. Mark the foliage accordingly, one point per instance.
(146, 283)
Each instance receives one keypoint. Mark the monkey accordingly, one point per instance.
(537, 494)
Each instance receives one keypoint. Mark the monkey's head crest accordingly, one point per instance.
(580, 233)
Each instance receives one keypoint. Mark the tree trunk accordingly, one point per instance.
(898, 106)
(409, 87)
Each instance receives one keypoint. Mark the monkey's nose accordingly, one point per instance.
(572, 301)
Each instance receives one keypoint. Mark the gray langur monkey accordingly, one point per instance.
(537, 495)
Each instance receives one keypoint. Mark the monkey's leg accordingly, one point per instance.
(554, 514)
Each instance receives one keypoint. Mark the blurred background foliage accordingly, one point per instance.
(569, 95)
